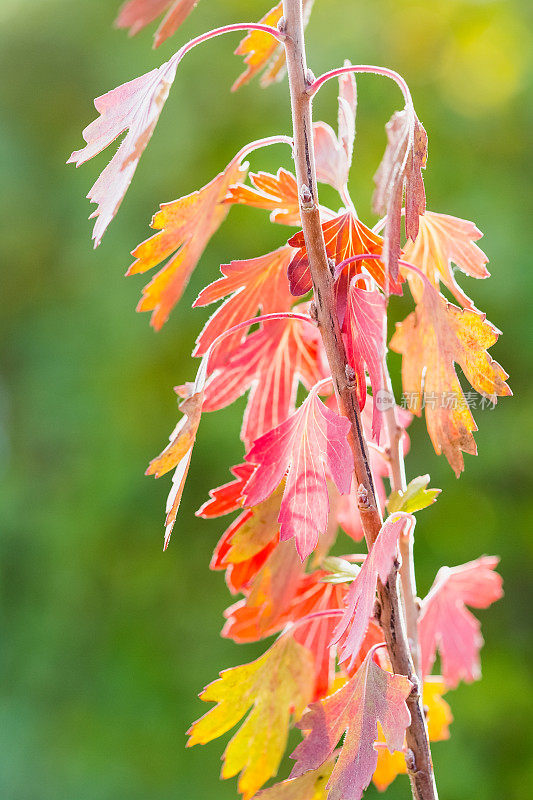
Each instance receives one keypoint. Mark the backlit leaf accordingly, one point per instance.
(372, 695)
(254, 284)
(259, 48)
(442, 240)
(399, 174)
(270, 362)
(431, 339)
(446, 624)
(178, 455)
(333, 153)
(276, 193)
(309, 786)
(344, 236)
(415, 497)
(365, 330)
(268, 688)
(362, 595)
(438, 717)
(185, 227)
(133, 107)
(137, 14)
(311, 441)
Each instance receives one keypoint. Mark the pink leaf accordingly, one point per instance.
(133, 107)
(446, 624)
(334, 153)
(371, 695)
(270, 362)
(137, 14)
(362, 594)
(365, 328)
(311, 441)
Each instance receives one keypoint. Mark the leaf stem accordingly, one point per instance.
(392, 618)
(212, 34)
(361, 68)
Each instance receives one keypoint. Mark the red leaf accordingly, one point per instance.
(362, 594)
(246, 622)
(270, 362)
(344, 236)
(254, 284)
(276, 193)
(312, 440)
(185, 227)
(137, 14)
(445, 623)
(365, 327)
(134, 107)
(401, 172)
(228, 497)
(371, 695)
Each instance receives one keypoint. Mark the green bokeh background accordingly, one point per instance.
(106, 641)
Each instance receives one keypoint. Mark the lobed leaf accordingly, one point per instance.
(362, 594)
(310, 441)
(431, 339)
(270, 362)
(133, 107)
(345, 236)
(254, 284)
(137, 14)
(441, 240)
(415, 497)
(268, 688)
(372, 695)
(185, 227)
(445, 624)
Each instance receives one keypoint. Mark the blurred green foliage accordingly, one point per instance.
(106, 641)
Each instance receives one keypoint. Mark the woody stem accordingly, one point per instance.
(418, 756)
(399, 484)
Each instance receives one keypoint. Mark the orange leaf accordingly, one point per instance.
(258, 48)
(186, 226)
(344, 236)
(268, 688)
(431, 339)
(276, 193)
(262, 51)
(178, 454)
(442, 240)
(256, 283)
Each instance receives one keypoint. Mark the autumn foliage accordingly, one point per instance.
(328, 670)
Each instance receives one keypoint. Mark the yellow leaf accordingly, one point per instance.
(275, 684)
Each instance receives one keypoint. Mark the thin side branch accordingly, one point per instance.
(419, 763)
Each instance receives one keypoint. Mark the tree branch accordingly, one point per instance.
(418, 757)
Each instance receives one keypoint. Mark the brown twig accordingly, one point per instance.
(419, 764)
(399, 484)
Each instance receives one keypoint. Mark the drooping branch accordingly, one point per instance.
(418, 757)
